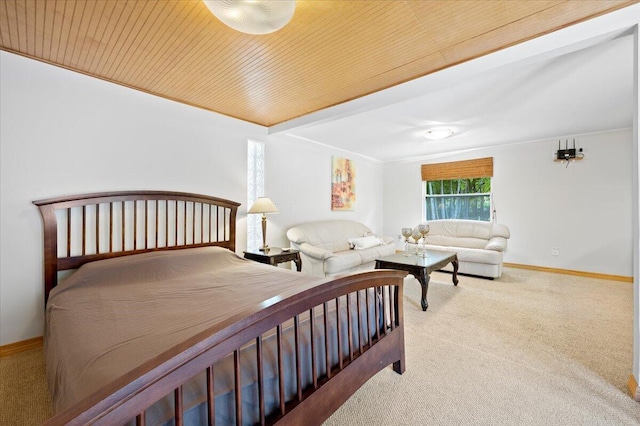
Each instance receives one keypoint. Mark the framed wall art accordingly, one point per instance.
(343, 184)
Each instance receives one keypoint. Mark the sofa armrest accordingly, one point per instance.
(497, 244)
(315, 252)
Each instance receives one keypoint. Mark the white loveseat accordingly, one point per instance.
(337, 247)
(479, 244)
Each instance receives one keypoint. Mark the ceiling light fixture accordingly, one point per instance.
(253, 16)
(438, 133)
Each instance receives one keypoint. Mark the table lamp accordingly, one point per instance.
(263, 205)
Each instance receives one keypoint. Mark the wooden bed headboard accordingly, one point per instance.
(88, 227)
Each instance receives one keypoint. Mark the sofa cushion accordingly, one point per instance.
(465, 233)
(341, 261)
(444, 240)
(472, 255)
(371, 254)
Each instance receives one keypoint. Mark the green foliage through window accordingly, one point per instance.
(458, 199)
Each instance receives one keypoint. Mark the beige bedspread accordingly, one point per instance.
(111, 316)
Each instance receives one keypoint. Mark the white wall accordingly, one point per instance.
(64, 133)
(298, 173)
(584, 209)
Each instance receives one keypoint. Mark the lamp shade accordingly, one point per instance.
(263, 205)
(253, 16)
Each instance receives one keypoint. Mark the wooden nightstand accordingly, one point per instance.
(274, 256)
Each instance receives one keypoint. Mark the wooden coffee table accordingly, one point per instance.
(420, 267)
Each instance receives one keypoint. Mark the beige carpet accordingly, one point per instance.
(530, 349)
(23, 389)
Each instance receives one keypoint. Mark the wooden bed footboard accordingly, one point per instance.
(128, 396)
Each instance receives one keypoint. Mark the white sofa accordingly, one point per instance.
(480, 245)
(337, 247)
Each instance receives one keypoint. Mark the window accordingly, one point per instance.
(458, 190)
(255, 189)
(458, 199)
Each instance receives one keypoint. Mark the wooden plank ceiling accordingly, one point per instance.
(330, 52)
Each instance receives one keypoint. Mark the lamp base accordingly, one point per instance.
(265, 247)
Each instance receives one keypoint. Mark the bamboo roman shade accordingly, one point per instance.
(481, 167)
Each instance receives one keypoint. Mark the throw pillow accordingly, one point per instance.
(364, 242)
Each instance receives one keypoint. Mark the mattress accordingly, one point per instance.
(111, 316)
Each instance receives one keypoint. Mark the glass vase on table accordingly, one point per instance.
(423, 228)
(416, 235)
(406, 233)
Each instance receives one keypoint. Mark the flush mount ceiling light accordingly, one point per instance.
(253, 16)
(438, 133)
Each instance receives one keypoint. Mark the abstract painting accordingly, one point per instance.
(343, 184)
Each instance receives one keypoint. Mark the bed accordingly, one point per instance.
(160, 322)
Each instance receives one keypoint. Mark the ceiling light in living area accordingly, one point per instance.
(253, 16)
(438, 133)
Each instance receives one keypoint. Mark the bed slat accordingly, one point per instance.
(184, 221)
(84, 230)
(384, 310)
(360, 330)
(110, 227)
(366, 302)
(217, 223)
(135, 225)
(349, 328)
(312, 333)
(145, 224)
(238, 390)
(260, 364)
(97, 228)
(210, 224)
(177, 224)
(391, 309)
(339, 333)
(122, 226)
(193, 223)
(178, 406)
(327, 355)
(68, 232)
(156, 226)
(211, 400)
(280, 369)
(377, 314)
(201, 223)
(166, 223)
(296, 328)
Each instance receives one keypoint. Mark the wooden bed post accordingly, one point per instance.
(399, 366)
(50, 249)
